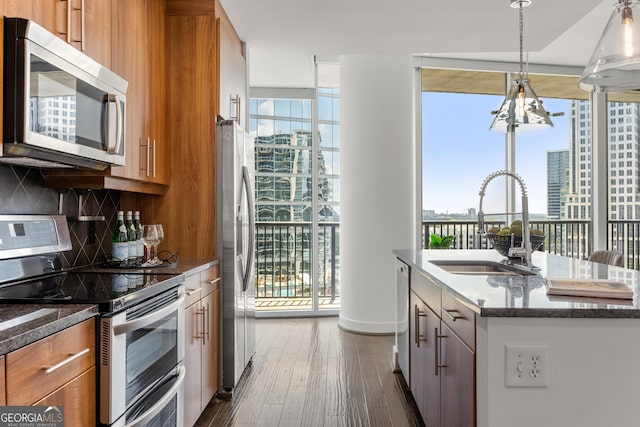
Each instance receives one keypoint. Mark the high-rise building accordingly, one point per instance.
(557, 182)
(623, 154)
(296, 196)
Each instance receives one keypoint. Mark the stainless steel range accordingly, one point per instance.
(141, 325)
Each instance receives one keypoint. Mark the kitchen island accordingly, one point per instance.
(472, 338)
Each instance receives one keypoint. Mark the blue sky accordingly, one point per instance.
(459, 152)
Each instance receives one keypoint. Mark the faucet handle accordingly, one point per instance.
(517, 252)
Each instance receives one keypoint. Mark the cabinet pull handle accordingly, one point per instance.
(206, 324)
(437, 352)
(212, 281)
(453, 316)
(82, 25)
(201, 334)
(190, 292)
(61, 12)
(148, 159)
(68, 31)
(71, 10)
(154, 158)
(417, 315)
(50, 369)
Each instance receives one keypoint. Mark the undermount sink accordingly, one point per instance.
(483, 268)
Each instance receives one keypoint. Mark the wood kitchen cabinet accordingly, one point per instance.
(457, 388)
(442, 355)
(139, 41)
(202, 346)
(424, 382)
(139, 37)
(187, 210)
(233, 75)
(49, 14)
(80, 23)
(58, 370)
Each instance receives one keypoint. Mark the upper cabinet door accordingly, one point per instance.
(139, 34)
(157, 93)
(232, 71)
(50, 14)
(85, 24)
(129, 60)
(94, 30)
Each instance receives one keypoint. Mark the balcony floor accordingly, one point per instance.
(282, 304)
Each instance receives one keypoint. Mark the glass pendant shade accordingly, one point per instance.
(521, 111)
(615, 63)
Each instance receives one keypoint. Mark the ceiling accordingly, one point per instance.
(282, 36)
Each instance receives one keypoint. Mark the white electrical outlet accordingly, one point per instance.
(526, 365)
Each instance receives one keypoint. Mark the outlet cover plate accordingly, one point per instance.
(526, 365)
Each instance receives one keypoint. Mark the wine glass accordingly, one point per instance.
(159, 238)
(149, 237)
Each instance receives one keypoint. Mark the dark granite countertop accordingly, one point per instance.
(525, 296)
(42, 320)
(188, 267)
(23, 324)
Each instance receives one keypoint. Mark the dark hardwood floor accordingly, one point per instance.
(308, 372)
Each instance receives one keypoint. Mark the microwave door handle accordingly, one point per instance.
(110, 138)
(161, 403)
(119, 124)
(114, 139)
(153, 317)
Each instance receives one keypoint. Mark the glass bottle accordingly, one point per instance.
(131, 238)
(138, 227)
(120, 240)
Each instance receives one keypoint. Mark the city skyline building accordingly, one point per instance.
(557, 182)
(623, 154)
(296, 195)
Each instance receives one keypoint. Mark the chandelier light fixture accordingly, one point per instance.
(521, 110)
(615, 63)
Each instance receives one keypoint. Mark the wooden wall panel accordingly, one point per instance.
(188, 209)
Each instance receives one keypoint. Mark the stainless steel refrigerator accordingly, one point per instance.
(236, 222)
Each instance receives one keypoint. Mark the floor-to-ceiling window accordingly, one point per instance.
(459, 152)
(297, 161)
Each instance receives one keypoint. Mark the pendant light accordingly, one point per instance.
(521, 110)
(615, 63)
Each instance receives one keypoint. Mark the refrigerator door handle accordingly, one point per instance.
(247, 187)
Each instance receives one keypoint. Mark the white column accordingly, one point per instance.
(599, 171)
(377, 185)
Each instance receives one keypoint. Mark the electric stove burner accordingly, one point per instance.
(111, 291)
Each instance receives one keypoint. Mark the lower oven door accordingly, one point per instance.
(162, 406)
(138, 348)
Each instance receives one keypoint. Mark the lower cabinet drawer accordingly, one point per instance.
(460, 318)
(38, 369)
(210, 279)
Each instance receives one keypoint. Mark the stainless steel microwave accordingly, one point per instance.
(61, 108)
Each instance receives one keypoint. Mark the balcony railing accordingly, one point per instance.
(284, 251)
(569, 238)
(284, 260)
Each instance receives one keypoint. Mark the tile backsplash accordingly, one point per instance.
(22, 192)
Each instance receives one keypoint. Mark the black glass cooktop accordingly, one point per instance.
(110, 291)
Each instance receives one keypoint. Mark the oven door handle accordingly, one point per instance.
(143, 321)
(161, 403)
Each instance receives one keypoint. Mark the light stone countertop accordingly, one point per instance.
(525, 296)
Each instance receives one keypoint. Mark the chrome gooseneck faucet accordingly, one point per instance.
(524, 251)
